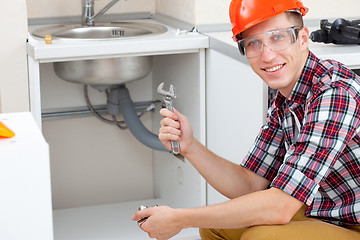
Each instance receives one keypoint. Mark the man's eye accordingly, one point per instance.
(253, 43)
(277, 37)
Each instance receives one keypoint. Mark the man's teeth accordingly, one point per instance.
(273, 69)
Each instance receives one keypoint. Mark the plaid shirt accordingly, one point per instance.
(310, 144)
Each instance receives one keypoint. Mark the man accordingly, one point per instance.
(301, 178)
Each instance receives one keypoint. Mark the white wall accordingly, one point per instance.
(212, 11)
(56, 8)
(191, 11)
(216, 11)
(332, 9)
(14, 96)
(180, 9)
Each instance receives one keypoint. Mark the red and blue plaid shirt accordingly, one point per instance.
(310, 144)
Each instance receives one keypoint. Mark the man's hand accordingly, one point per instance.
(162, 222)
(175, 127)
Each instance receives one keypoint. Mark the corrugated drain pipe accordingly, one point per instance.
(119, 102)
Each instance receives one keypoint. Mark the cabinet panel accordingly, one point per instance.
(175, 182)
(236, 102)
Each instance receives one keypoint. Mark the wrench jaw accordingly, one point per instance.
(172, 91)
(170, 95)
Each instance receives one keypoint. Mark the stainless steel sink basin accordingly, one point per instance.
(111, 71)
(107, 71)
(101, 31)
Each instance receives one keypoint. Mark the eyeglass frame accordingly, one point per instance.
(294, 32)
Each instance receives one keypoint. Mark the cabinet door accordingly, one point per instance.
(236, 106)
(14, 93)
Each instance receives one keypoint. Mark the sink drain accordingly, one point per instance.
(117, 33)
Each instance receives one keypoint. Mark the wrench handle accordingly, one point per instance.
(175, 145)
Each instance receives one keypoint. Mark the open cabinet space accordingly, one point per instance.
(101, 174)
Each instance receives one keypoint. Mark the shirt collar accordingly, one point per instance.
(303, 84)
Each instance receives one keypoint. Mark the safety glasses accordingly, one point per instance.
(276, 40)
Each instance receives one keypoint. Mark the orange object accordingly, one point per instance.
(5, 131)
(247, 13)
(48, 39)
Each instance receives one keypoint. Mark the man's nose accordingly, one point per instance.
(266, 53)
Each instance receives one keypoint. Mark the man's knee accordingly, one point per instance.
(261, 233)
(288, 231)
(204, 233)
(210, 234)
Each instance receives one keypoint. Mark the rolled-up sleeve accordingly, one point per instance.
(329, 124)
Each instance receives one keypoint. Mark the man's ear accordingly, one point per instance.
(304, 38)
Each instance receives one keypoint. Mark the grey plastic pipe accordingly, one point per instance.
(119, 102)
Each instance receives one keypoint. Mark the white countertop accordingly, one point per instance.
(169, 42)
(25, 202)
(346, 54)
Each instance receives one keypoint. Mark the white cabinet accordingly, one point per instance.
(25, 200)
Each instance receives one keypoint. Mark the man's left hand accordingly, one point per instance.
(162, 222)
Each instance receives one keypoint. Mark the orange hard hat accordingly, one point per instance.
(247, 13)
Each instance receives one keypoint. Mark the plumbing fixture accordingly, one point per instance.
(102, 31)
(48, 39)
(194, 30)
(88, 16)
(106, 71)
(119, 102)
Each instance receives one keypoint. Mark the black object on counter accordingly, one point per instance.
(341, 31)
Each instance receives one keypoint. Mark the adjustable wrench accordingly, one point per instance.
(141, 221)
(168, 97)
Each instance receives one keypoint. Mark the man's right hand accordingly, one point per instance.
(175, 127)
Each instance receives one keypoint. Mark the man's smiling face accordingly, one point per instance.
(279, 70)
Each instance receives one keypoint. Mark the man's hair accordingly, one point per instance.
(296, 18)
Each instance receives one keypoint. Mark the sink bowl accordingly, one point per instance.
(107, 71)
(103, 72)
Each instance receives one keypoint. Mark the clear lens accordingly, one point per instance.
(275, 40)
